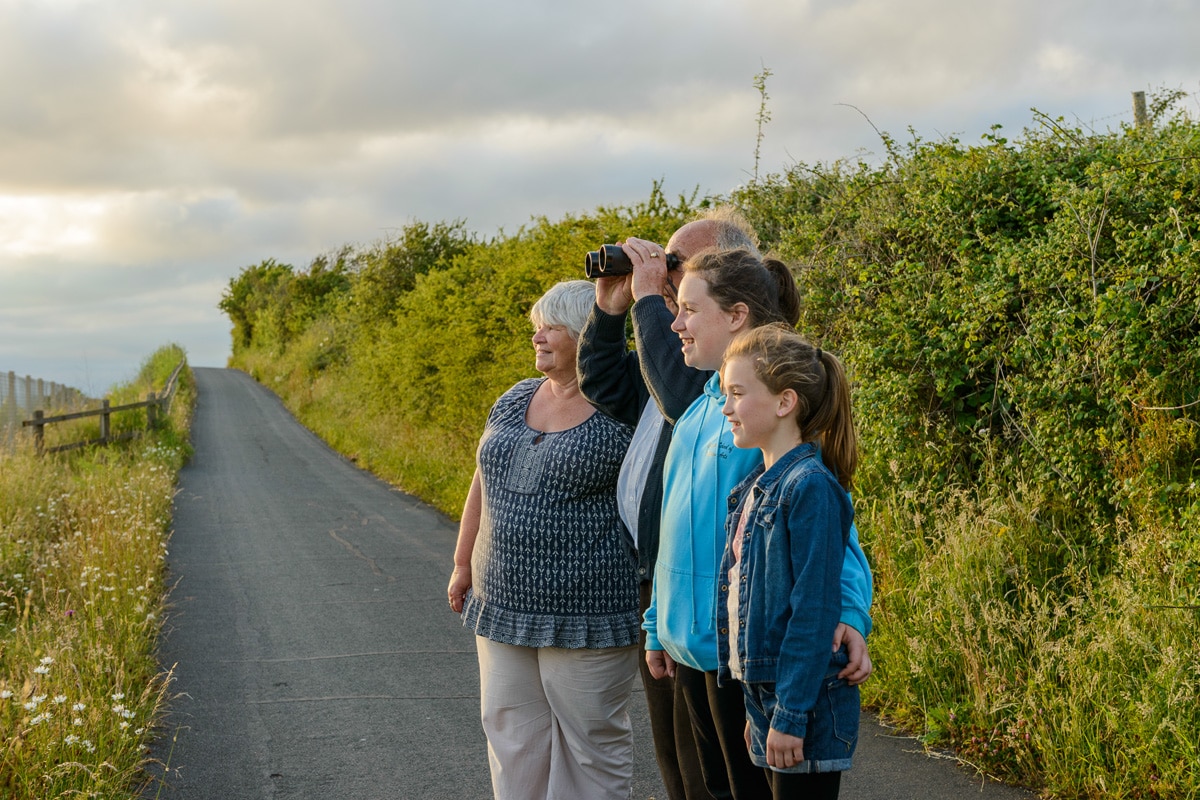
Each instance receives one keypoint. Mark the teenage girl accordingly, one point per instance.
(787, 530)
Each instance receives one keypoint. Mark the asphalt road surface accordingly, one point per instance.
(313, 652)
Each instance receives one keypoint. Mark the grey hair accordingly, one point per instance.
(733, 230)
(567, 304)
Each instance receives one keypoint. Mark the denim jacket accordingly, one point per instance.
(789, 597)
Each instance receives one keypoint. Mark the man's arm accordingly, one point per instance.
(671, 381)
(609, 376)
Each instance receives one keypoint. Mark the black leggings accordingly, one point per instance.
(718, 715)
(804, 785)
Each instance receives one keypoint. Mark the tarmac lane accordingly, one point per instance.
(313, 652)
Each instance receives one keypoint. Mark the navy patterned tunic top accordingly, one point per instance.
(552, 566)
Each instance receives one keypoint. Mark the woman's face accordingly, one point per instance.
(704, 329)
(554, 351)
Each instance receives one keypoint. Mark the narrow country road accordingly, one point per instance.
(314, 654)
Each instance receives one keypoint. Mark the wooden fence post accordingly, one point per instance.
(104, 418)
(11, 400)
(39, 431)
(1140, 118)
(151, 411)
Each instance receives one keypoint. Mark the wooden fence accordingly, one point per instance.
(155, 404)
(19, 396)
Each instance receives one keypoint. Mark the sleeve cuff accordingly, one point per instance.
(785, 721)
(859, 620)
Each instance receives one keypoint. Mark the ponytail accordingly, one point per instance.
(787, 290)
(830, 419)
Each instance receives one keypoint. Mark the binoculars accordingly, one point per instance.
(611, 261)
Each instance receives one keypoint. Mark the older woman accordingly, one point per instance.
(545, 576)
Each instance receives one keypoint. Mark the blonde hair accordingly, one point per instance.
(783, 359)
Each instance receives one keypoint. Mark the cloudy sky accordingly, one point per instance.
(151, 149)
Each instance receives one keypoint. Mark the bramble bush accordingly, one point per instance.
(1020, 319)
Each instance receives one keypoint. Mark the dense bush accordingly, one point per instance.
(1021, 322)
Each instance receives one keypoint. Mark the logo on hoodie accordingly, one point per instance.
(720, 449)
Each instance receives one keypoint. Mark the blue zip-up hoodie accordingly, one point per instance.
(702, 468)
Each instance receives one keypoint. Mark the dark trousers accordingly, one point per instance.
(804, 786)
(671, 725)
(718, 715)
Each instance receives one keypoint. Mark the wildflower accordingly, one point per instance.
(77, 722)
(5, 694)
(41, 670)
(71, 739)
(87, 745)
(119, 696)
(78, 707)
(59, 699)
(40, 718)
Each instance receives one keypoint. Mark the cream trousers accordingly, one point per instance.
(557, 721)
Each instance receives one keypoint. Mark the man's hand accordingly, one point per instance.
(614, 295)
(859, 668)
(649, 267)
(660, 663)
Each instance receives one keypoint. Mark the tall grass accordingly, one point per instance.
(82, 549)
(995, 635)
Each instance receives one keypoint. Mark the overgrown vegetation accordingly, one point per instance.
(1021, 320)
(82, 546)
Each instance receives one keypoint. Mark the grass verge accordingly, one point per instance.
(82, 555)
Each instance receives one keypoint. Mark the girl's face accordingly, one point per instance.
(753, 410)
(704, 329)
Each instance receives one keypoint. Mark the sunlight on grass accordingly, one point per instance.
(83, 542)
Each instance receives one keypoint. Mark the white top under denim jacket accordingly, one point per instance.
(790, 585)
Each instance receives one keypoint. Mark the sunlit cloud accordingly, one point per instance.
(33, 225)
(150, 151)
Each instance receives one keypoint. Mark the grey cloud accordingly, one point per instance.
(217, 134)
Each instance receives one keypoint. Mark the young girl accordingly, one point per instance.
(787, 532)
